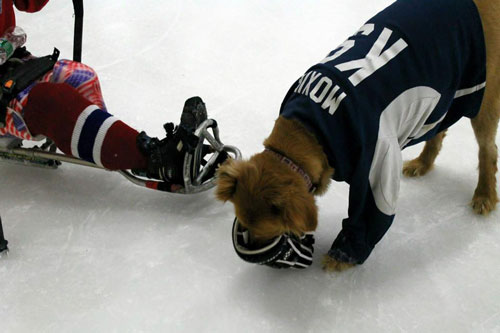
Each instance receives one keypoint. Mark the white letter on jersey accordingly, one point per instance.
(314, 77)
(302, 81)
(331, 102)
(344, 47)
(314, 93)
(366, 30)
(349, 44)
(375, 59)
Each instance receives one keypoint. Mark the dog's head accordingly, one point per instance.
(269, 198)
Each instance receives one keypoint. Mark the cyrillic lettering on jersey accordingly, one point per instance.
(375, 59)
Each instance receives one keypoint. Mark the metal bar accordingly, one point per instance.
(235, 151)
(132, 178)
(78, 34)
(206, 167)
(32, 152)
(3, 241)
(189, 187)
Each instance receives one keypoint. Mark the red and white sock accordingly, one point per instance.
(81, 129)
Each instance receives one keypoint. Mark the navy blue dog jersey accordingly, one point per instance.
(410, 72)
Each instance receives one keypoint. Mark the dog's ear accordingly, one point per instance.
(227, 180)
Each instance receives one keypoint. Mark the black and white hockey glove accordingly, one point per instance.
(285, 251)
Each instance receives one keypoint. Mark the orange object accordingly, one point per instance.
(9, 84)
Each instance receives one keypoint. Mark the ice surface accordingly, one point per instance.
(91, 252)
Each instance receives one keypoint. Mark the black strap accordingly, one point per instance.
(18, 77)
(78, 35)
(3, 241)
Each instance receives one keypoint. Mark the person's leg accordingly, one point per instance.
(81, 77)
(81, 128)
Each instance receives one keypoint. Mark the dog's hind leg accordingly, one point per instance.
(486, 122)
(485, 128)
(424, 162)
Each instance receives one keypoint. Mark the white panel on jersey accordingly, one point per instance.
(404, 119)
(385, 174)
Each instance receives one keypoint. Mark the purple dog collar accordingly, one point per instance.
(294, 167)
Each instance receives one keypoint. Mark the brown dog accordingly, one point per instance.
(272, 192)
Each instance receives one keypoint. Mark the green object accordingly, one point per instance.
(7, 46)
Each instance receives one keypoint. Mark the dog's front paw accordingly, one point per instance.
(415, 168)
(332, 265)
(483, 205)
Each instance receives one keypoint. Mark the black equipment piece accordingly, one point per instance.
(17, 76)
(78, 35)
(3, 241)
(285, 251)
(166, 157)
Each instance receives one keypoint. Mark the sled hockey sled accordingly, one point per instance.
(197, 172)
(197, 165)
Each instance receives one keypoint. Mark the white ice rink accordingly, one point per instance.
(91, 252)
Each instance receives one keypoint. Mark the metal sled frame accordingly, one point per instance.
(193, 170)
(194, 173)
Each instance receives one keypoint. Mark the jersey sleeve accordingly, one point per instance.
(30, 6)
(374, 190)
